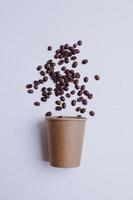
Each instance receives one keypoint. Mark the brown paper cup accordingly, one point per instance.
(65, 139)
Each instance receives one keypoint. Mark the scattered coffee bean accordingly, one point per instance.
(73, 92)
(41, 81)
(36, 103)
(76, 81)
(77, 75)
(49, 48)
(60, 116)
(92, 113)
(43, 89)
(85, 79)
(73, 58)
(49, 89)
(66, 60)
(79, 99)
(42, 73)
(86, 92)
(43, 99)
(79, 42)
(78, 109)
(58, 108)
(84, 61)
(35, 87)
(97, 77)
(73, 102)
(45, 78)
(80, 92)
(90, 96)
(63, 105)
(58, 102)
(30, 91)
(79, 116)
(48, 114)
(75, 45)
(36, 82)
(75, 64)
(67, 95)
(82, 87)
(39, 67)
(77, 51)
(28, 86)
(83, 110)
(77, 87)
(60, 62)
(84, 101)
(66, 46)
(49, 93)
(62, 98)
(63, 68)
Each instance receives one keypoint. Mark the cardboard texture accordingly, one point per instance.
(65, 139)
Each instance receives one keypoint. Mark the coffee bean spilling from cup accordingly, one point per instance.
(66, 58)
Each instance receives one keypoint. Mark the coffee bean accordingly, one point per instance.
(79, 99)
(28, 86)
(79, 42)
(84, 101)
(36, 82)
(84, 61)
(63, 68)
(42, 73)
(76, 81)
(61, 46)
(73, 102)
(39, 67)
(49, 89)
(75, 45)
(43, 89)
(77, 87)
(58, 102)
(80, 92)
(90, 96)
(67, 95)
(36, 103)
(66, 46)
(48, 114)
(75, 64)
(62, 98)
(64, 105)
(43, 99)
(60, 116)
(97, 77)
(44, 93)
(92, 113)
(45, 78)
(73, 58)
(77, 75)
(30, 91)
(49, 61)
(49, 48)
(86, 92)
(55, 56)
(73, 92)
(78, 109)
(83, 110)
(53, 64)
(77, 51)
(49, 93)
(58, 108)
(85, 79)
(35, 87)
(79, 116)
(60, 62)
(82, 87)
(41, 81)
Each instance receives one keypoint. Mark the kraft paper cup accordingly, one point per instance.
(65, 140)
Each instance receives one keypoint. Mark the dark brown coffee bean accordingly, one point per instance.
(43, 99)
(77, 87)
(49, 89)
(35, 87)
(43, 89)
(78, 109)
(86, 79)
(79, 42)
(77, 75)
(75, 45)
(79, 116)
(67, 95)
(49, 93)
(63, 68)
(42, 73)
(83, 110)
(28, 86)
(79, 99)
(36, 82)
(66, 60)
(66, 46)
(58, 108)
(49, 61)
(77, 51)
(53, 64)
(65, 88)
(92, 113)
(73, 92)
(30, 91)
(97, 77)
(73, 58)
(41, 81)
(84, 101)
(61, 46)
(60, 116)
(62, 98)
(45, 78)
(48, 114)
(82, 87)
(44, 93)
(73, 102)
(84, 61)
(80, 92)
(36, 103)
(90, 96)
(76, 81)
(64, 105)
(55, 56)
(75, 64)
(58, 102)
(60, 62)
(86, 92)
(49, 48)
(39, 67)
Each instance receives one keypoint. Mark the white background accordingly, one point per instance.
(26, 29)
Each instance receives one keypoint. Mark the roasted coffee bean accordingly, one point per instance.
(67, 95)
(92, 113)
(53, 64)
(49, 93)
(63, 68)
(44, 93)
(55, 56)
(73, 58)
(41, 81)
(62, 98)
(76, 81)
(58, 102)
(73, 92)
(30, 91)
(66, 46)
(61, 46)
(42, 73)
(77, 75)
(48, 114)
(35, 87)
(65, 88)
(75, 45)
(43, 99)
(80, 92)
(45, 78)
(49, 61)
(86, 92)
(77, 51)
(39, 67)
(63, 105)
(60, 62)
(78, 109)
(83, 110)
(90, 95)
(36, 82)
(49, 89)
(43, 89)
(37, 103)
(28, 86)
(49, 48)
(79, 116)
(82, 87)
(86, 79)
(79, 99)
(84, 101)
(66, 60)
(97, 77)
(79, 42)
(58, 108)
(77, 87)
(73, 102)
(60, 116)
(84, 61)
(75, 64)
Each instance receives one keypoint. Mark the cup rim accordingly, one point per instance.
(67, 118)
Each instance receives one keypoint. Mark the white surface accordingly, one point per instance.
(105, 27)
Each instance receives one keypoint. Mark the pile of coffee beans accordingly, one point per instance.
(61, 70)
